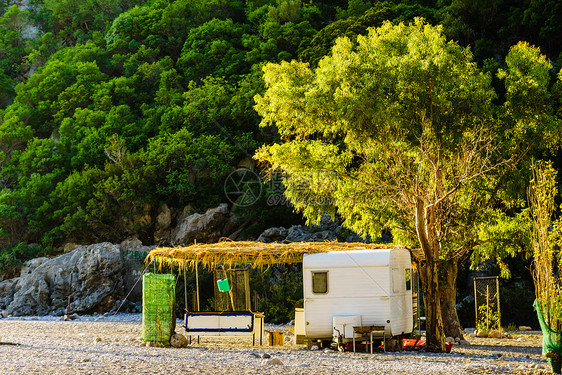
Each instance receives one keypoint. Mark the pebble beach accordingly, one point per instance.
(111, 344)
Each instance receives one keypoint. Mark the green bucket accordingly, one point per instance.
(223, 285)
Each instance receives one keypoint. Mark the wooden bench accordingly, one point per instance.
(225, 323)
(369, 329)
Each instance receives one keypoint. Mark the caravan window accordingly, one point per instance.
(408, 279)
(320, 282)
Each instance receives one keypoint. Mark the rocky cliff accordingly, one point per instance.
(96, 277)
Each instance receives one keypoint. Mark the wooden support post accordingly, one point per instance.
(247, 290)
(69, 293)
(185, 286)
(197, 289)
(487, 308)
(498, 303)
(230, 291)
(475, 303)
(255, 301)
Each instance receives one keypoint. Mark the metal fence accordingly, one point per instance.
(487, 303)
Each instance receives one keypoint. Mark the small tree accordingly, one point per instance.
(393, 132)
(547, 257)
(546, 238)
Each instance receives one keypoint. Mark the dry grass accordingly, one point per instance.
(546, 255)
(239, 253)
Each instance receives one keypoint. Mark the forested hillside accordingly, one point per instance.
(111, 108)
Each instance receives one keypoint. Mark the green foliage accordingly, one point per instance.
(12, 221)
(356, 21)
(183, 165)
(489, 319)
(528, 98)
(547, 256)
(279, 291)
(75, 21)
(354, 8)
(540, 20)
(13, 44)
(6, 90)
(214, 48)
(471, 20)
(502, 237)
(17, 255)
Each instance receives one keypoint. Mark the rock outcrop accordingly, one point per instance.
(275, 234)
(183, 228)
(326, 230)
(101, 275)
(208, 227)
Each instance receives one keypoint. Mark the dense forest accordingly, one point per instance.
(111, 108)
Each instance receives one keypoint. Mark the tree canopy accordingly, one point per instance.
(397, 131)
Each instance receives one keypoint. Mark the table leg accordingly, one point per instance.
(371, 341)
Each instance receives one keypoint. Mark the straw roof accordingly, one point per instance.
(257, 254)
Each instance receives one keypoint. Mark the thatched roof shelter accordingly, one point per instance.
(240, 253)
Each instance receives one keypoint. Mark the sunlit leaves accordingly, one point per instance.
(528, 103)
(390, 116)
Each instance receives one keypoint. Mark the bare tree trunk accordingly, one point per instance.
(435, 337)
(447, 282)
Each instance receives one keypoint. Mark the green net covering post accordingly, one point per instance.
(551, 342)
(158, 300)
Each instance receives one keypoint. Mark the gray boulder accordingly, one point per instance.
(178, 340)
(275, 234)
(298, 233)
(97, 282)
(323, 236)
(207, 227)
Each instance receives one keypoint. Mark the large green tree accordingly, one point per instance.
(394, 131)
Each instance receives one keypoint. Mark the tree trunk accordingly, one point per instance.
(426, 231)
(447, 282)
(435, 337)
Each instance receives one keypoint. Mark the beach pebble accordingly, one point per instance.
(274, 361)
(178, 340)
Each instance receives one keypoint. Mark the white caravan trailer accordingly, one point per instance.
(356, 288)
